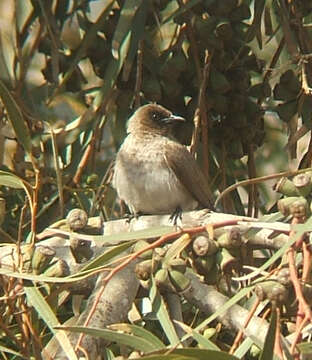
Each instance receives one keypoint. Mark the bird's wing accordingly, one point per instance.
(185, 167)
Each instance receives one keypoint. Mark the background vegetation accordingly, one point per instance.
(72, 72)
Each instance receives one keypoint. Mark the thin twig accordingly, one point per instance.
(277, 344)
(252, 191)
(258, 180)
(303, 305)
(59, 178)
(200, 117)
(35, 199)
(84, 160)
(20, 227)
(240, 334)
(307, 259)
(298, 334)
(139, 75)
(105, 180)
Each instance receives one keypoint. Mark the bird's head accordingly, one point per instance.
(153, 118)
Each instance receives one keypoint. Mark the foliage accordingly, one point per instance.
(72, 72)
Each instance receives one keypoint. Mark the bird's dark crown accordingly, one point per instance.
(152, 117)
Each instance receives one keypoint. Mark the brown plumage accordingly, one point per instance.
(154, 173)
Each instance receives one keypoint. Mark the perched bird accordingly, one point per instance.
(154, 173)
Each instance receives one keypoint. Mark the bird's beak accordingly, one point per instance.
(172, 119)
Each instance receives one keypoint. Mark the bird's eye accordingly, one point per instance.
(156, 116)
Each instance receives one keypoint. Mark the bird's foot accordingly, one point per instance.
(177, 214)
(131, 216)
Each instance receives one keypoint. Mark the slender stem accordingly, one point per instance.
(240, 334)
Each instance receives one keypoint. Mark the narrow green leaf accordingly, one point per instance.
(121, 43)
(116, 239)
(190, 354)
(268, 348)
(255, 28)
(188, 5)
(16, 118)
(134, 235)
(134, 342)
(204, 342)
(106, 256)
(4, 70)
(35, 299)
(110, 77)
(137, 33)
(203, 354)
(243, 348)
(166, 357)
(87, 41)
(124, 25)
(140, 332)
(15, 182)
(177, 247)
(10, 351)
(268, 23)
(159, 307)
(10, 180)
(38, 278)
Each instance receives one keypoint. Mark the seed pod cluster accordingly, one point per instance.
(276, 289)
(271, 290)
(77, 219)
(204, 252)
(171, 277)
(297, 195)
(214, 258)
(149, 261)
(42, 259)
(168, 272)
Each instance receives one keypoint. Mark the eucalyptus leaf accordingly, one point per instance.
(191, 354)
(268, 348)
(87, 40)
(16, 118)
(126, 18)
(149, 233)
(137, 33)
(11, 180)
(4, 69)
(204, 342)
(160, 309)
(35, 299)
(140, 332)
(10, 351)
(133, 341)
(106, 256)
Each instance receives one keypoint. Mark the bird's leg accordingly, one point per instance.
(177, 214)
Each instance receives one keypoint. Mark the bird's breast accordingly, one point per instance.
(144, 181)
